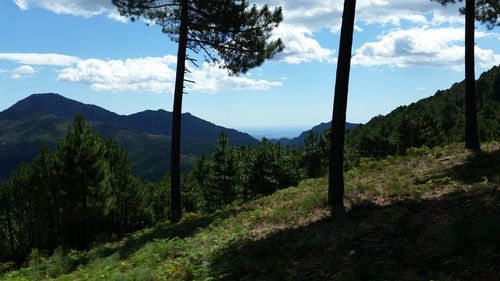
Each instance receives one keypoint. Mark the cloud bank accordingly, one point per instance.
(40, 59)
(439, 47)
(434, 37)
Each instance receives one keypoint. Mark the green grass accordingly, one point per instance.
(431, 215)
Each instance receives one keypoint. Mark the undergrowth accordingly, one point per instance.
(430, 215)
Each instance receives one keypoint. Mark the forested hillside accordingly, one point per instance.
(436, 120)
(84, 191)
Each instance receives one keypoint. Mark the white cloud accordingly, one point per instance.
(437, 47)
(21, 4)
(150, 74)
(154, 74)
(40, 59)
(24, 70)
(211, 78)
(303, 18)
(318, 14)
(117, 17)
(19, 72)
(86, 8)
(300, 46)
(312, 15)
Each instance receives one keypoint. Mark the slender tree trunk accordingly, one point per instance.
(11, 235)
(29, 222)
(471, 137)
(51, 235)
(175, 172)
(336, 169)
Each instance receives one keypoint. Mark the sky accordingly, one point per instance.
(403, 51)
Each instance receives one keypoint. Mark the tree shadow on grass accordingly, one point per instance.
(479, 167)
(183, 229)
(134, 243)
(453, 237)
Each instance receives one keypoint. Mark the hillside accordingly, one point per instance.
(430, 215)
(436, 120)
(43, 118)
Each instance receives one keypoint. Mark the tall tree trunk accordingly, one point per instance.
(336, 169)
(175, 172)
(471, 137)
(11, 235)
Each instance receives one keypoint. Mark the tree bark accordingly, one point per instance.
(336, 169)
(175, 171)
(471, 136)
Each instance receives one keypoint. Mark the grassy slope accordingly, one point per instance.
(434, 215)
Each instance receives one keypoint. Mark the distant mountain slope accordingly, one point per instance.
(61, 107)
(43, 119)
(320, 128)
(149, 121)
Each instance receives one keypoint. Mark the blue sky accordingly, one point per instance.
(404, 50)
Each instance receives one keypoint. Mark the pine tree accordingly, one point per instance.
(229, 32)
(203, 173)
(7, 244)
(488, 12)
(84, 179)
(336, 165)
(46, 194)
(312, 158)
(471, 127)
(225, 171)
(124, 189)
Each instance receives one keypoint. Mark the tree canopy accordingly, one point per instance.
(487, 11)
(231, 33)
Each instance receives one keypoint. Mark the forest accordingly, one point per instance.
(79, 206)
(43, 201)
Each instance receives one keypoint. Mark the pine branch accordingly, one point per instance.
(219, 45)
(265, 26)
(160, 5)
(193, 61)
(204, 49)
(193, 50)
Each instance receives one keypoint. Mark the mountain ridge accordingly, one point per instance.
(42, 119)
(150, 121)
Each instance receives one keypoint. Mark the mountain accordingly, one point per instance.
(43, 118)
(321, 128)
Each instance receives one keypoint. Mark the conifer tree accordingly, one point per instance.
(336, 165)
(225, 171)
(471, 128)
(124, 188)
(312, 156)
(229, 32)
(7, 246)
(83, 175)
(488, 12)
